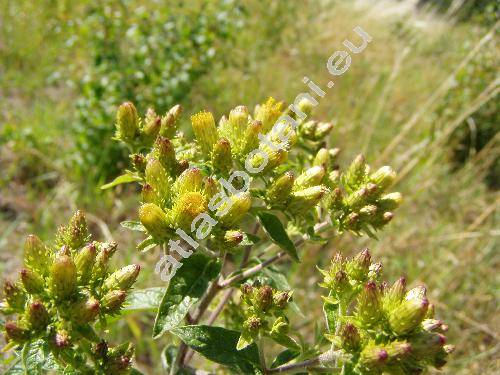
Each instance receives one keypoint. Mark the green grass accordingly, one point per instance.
(446, 233)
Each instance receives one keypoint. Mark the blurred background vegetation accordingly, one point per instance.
(422, 97)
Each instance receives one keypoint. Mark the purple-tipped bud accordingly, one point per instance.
(14, 332)
(373, 357)
(232, 238)
(350, 338)
(368, 309)
(38, 316)
(63, 277)
(86, 311)
(165, 152)
(253, 323)
(409, 314)
(62, 339)
(264, 298)
(168, 122)
(281, 299)
(113, 301)
(358, 267)
(33, 282)
(427, 344)
(395, 294)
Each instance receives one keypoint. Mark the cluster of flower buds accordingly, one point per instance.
(391, 330)
(207, 185)
(63, 290)
(359, 200)
(264, 315)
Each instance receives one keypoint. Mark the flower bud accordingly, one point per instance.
(210, 187)
(322, 130)
(387, 217)
(221, 156)
(264, 298)
(154, 220)
(304, 200)
(409, 314)
(311, 177)
(398, 350)
(14, 332)
(308, 129)
(205, 131)
(191, 180)
(124, 278)
(358, 198)
(85, 311)
(232, 238)
(38, 316)
(127, 122)
(358, 267)
(350, 338)
(14, 296)
(234, 208)
(431, 325)
(391, 201)
(63, 277)
(252, 324)
(238, 120)
(322, 158)
(368, 308)
(36, 255)
(335, 199)
(427, 344)
(394, 295)
(84, 262)
(32, 281)
(281, 299)
(152, 125)
(373, 357)
(148, 194)
(157, 178)
(168, 121)
(383, 177)
(357, 170)
(280, 189)
(251, 137)
(306, 106)
(166, 153)
(77, 231)
(139, 162)
(62, 339)
(113, 301)
(368, 212)
(268, 113)
(188, 206)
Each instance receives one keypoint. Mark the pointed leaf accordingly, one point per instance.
(144, 299)
(277, 233)
(133, 225)
(123, 179)
(219, 345)
(284, 357)
(184, 290)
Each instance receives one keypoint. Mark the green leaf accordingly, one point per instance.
(284, 357)
(277, 233)
(123, 179)
(36, 358)
(133, 225)
(249, 239)
(285, 340)
(245, 340)
(146, 245)
(184, 290)
(219, 345)
(144, 299)
(331, 314)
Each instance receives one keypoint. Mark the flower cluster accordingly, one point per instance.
(380, 328)
(264, 315)
(244, 164)
(63, 290)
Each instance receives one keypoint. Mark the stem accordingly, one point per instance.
(262, 357)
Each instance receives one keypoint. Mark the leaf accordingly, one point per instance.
(184, 290)
(144, 299)
(133, 225)
(146, 245)
(284, 357)
(219, 345)
(123, 179)
(277, 233)
(285, 340)
(36, 358)
(245, 340)
(331, 313)
(249, 239)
